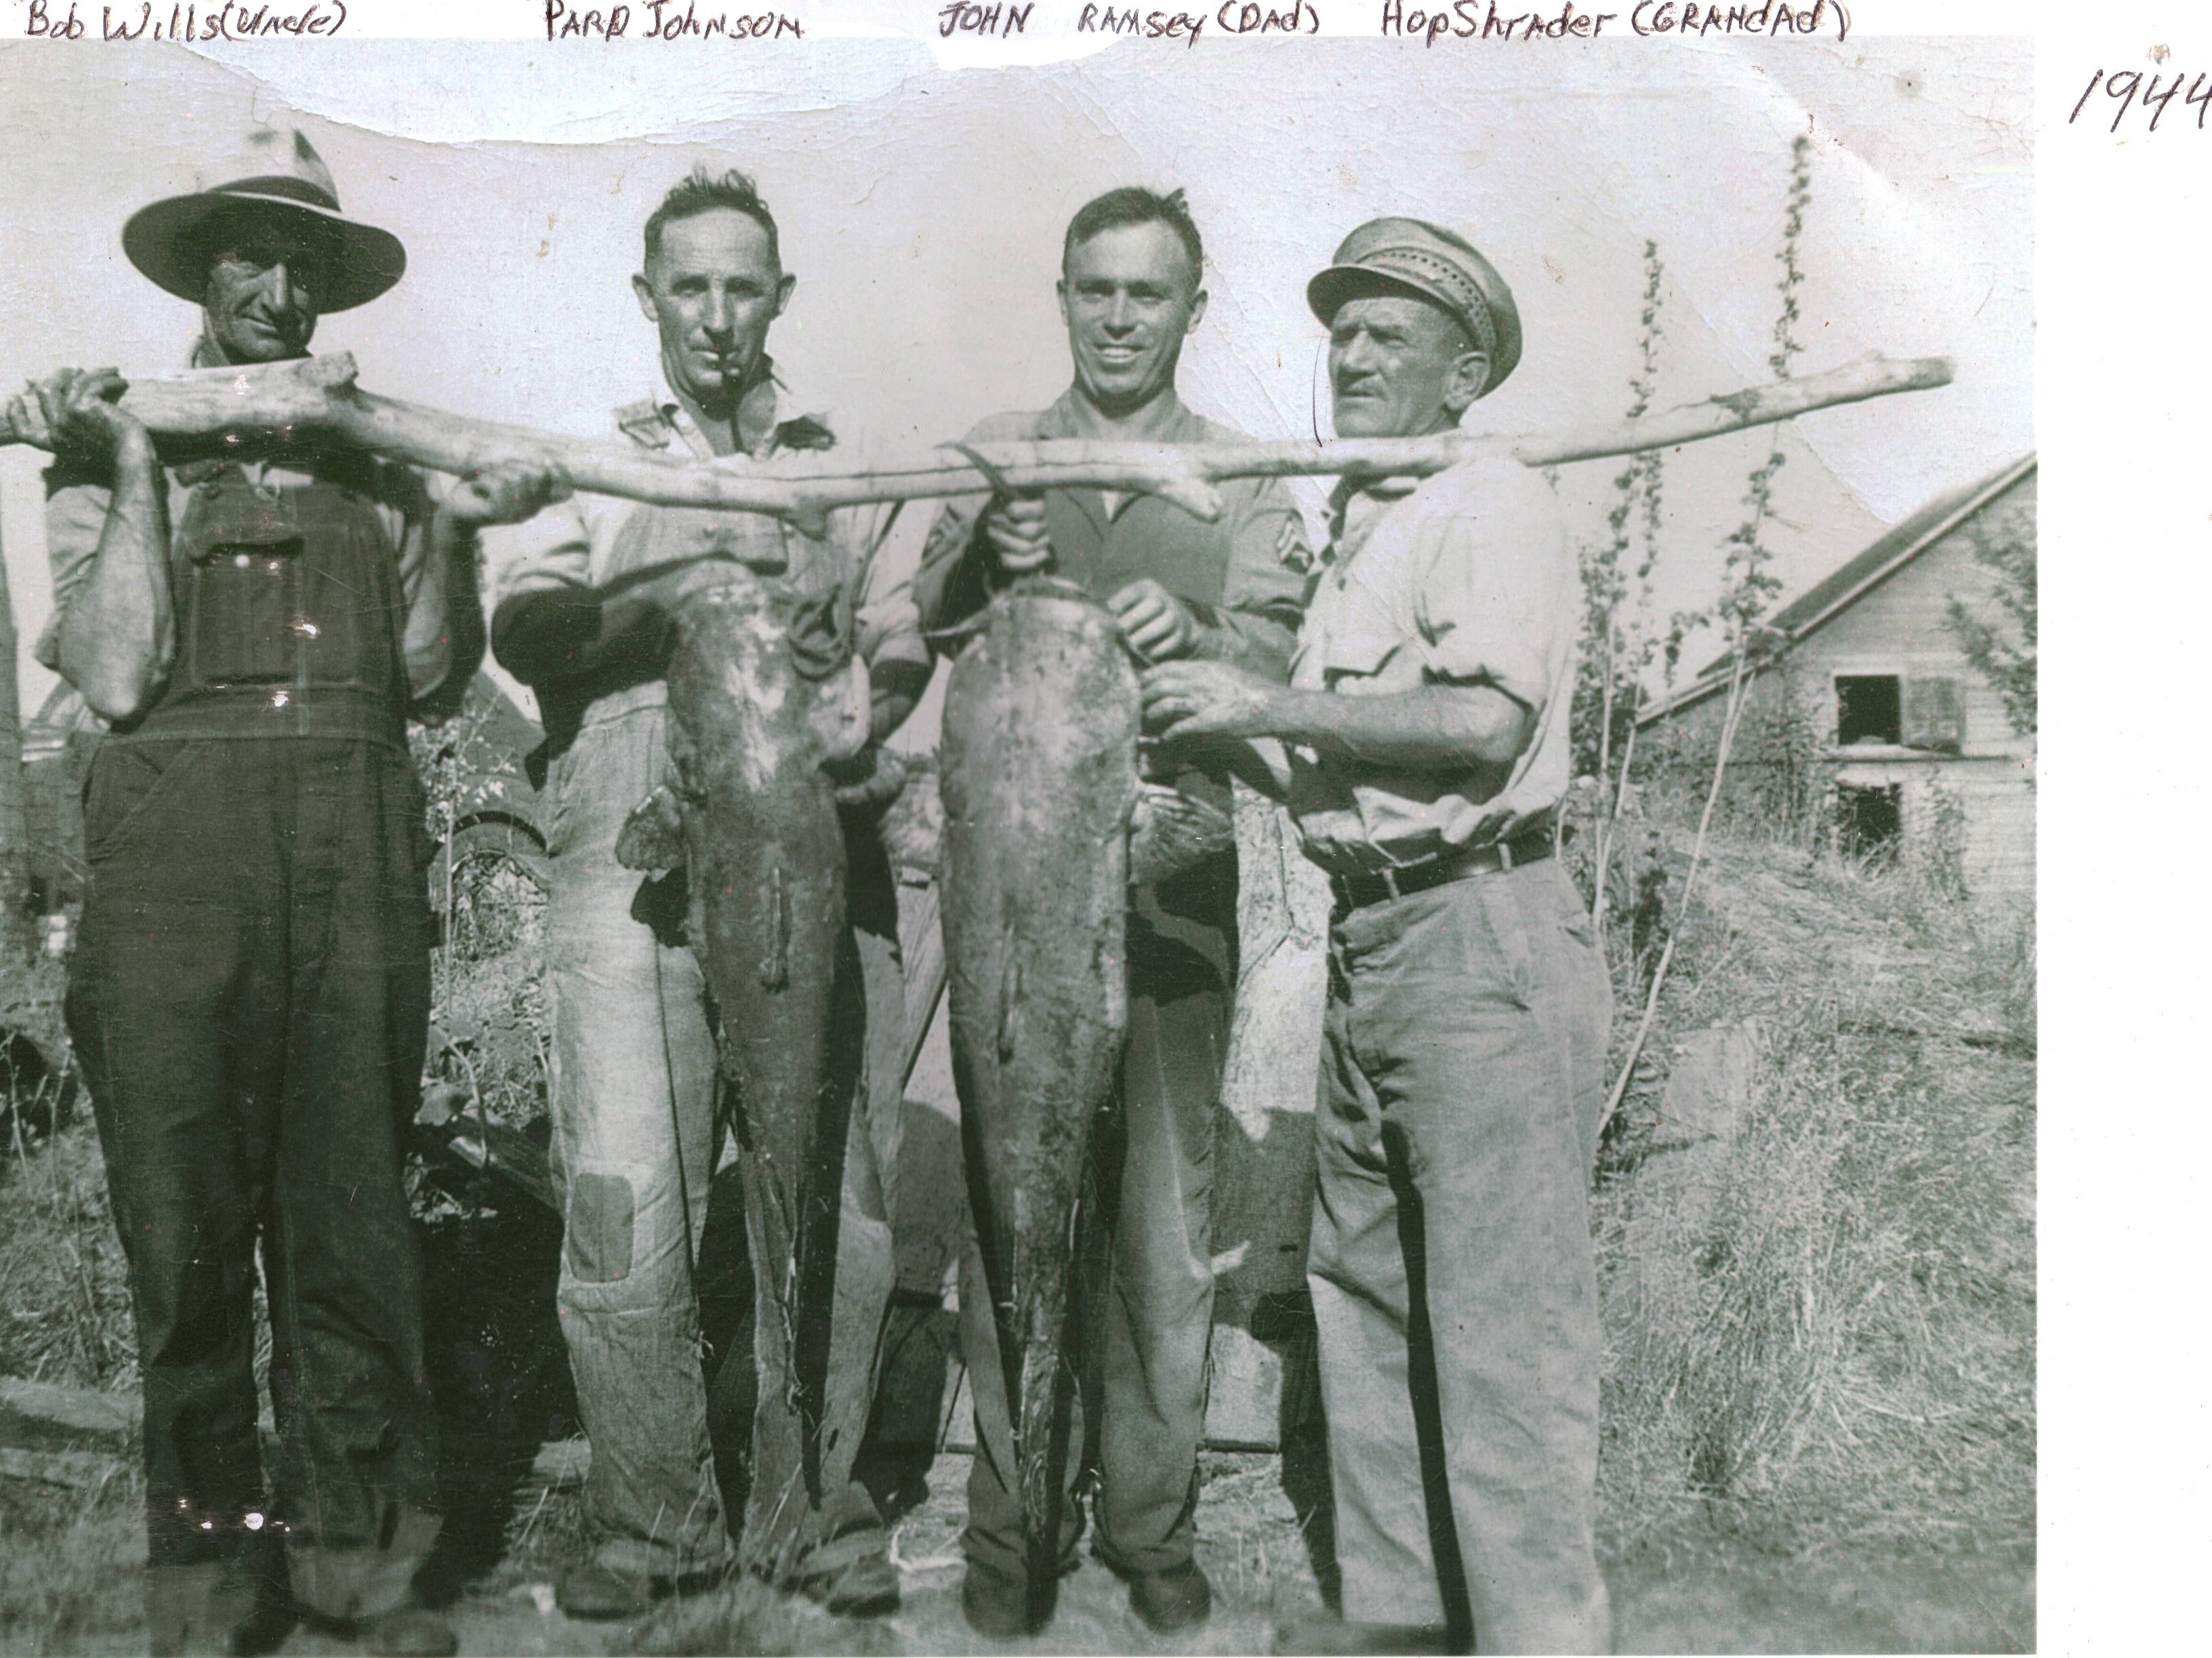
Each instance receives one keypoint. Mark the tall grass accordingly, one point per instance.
(65, 1302)
(1823, 1332)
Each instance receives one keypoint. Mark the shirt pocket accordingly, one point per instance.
(1367, 660)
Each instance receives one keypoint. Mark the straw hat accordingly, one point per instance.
(278, 172)
(1411, 255)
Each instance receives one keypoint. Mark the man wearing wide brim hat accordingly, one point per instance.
(249, 994)
(1425, 754)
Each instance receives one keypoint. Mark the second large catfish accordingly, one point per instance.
(1039, 780)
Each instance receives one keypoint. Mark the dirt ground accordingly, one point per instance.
(69, 1584)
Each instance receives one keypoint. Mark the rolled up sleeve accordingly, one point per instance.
(548, 553)
(75, 514)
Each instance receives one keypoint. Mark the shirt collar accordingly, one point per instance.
(1356, 502)
(1170, 421)
(659, 421)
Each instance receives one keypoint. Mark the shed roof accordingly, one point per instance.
(1857, 576)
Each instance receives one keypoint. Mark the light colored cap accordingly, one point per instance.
(1411, 255)
(277, 172)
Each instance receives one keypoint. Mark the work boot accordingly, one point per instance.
(858, 1583)
(238, 1606)
(1000, 1605)
(846, 1569)
(1178, 1598)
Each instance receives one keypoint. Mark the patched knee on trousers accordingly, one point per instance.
(602, 1227)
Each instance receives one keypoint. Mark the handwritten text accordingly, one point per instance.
(1104, 20)
(1000, 19)
(230, 22)
(667, 22)
(1665, 17)
(1233, 19)
(2129, 83)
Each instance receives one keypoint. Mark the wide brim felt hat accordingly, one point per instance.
(1411, 256)
(277, 173)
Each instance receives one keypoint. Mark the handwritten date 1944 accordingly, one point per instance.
(2130, 90)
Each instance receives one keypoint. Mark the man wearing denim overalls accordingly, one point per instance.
(251, 993)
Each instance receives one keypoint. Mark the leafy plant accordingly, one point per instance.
(2004, 656)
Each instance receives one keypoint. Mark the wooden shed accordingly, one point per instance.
(1868, 722)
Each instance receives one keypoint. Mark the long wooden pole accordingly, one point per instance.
(314, 401)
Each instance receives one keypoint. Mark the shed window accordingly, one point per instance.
(1869, 709)
(1935, 717)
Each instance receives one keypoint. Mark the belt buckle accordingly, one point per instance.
(1389, 874)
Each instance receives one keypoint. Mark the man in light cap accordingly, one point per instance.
(251, 993)
(1424, 754)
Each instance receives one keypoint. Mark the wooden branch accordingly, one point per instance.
(313, 401)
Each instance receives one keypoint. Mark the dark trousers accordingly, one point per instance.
(249, 1002)
(1146, 1290)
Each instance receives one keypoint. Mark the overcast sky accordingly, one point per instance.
(922, 210)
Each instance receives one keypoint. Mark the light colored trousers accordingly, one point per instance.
(1453, 1277)
(635, 1142)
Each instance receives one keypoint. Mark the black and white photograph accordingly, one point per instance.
(1208, 845)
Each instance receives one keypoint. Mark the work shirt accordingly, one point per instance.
(1246, 571)
(588, 540)
(292, 578)
(1464, 578)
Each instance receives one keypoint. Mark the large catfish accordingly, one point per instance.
(1039, 779)
(764, 689)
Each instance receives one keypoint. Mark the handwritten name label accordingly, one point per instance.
(230, 22)
(1002, 19)
(2132, 92)
(1469, 20)
(664, 22)
(1153, 26)
(667, 23)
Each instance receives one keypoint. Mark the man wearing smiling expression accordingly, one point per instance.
(1424, 756)
(633, 1083)
(250, 992)
(1131, 291)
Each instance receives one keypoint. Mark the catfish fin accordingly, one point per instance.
(652, 836)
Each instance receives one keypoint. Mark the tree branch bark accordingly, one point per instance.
(314, 401)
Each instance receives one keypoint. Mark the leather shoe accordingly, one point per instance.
(1329, 1637)
(1001, 1606)
(1178, 1598)
(410, 1632)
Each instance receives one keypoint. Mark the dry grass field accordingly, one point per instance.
(1819, 1399)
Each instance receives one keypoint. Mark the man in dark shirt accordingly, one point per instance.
(1131, 291)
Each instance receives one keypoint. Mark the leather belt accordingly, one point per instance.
(1377, 886)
